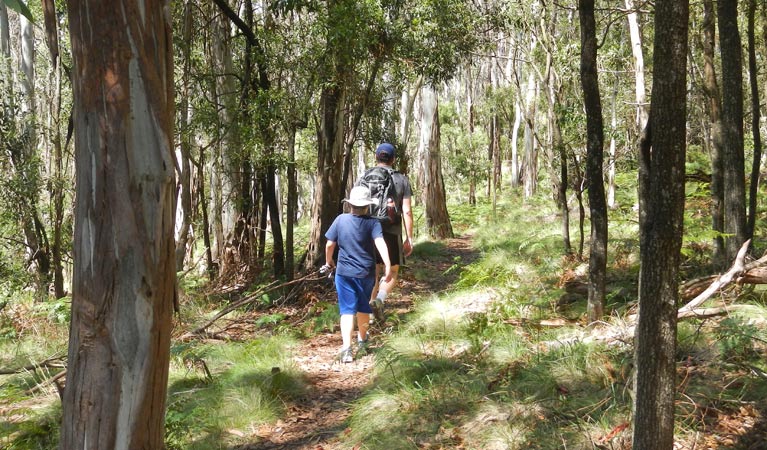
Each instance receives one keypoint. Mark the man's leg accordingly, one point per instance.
(387, 287)
(363, 323)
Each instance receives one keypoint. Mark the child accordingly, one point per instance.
(357, 236)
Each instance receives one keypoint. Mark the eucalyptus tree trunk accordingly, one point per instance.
(755, 122)
(515, 175)
(733, 160)
(558, 153)
(636, 50)
(234, 214)
(611, 161)
(407, 105)
(714, 107)
(432, 184)
(530, 163)
(124, 268)
(661, 193)
(594, 158)
(184, 157)
(53, 135)
(291, 204)
(330, 157)
(405, 129)
(25, 164)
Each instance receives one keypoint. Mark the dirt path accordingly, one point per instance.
(316, 421)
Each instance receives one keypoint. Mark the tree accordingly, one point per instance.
(755, 115)
(430, 170)
(594, 158)
(714, 107)
(124, 270)
(661, 193)
(733, 164)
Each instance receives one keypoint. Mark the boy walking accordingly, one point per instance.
(357, 236)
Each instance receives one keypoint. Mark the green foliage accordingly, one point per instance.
(324, 317)
(736, 340)
(57, 311)
(20, 7)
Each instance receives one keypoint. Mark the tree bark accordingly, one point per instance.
(733, 163)
(714, 106)
(124, 272)
(636, 50)
(59, 177)
(184, 163)
(329, 170)
(291, 204)
(433, 187)
(755, 122)
(661, 225)
(594, 159)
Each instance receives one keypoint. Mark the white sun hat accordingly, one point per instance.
(360, 196)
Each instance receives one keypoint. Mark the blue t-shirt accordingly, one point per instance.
(356, 249)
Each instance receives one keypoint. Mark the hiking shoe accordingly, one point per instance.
(362, 347)
(378, 309)
(346, 355)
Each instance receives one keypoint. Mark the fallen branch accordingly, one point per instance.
(738, 269)
(54, 379)
(50, 363)
(248, 300)
(702, 313)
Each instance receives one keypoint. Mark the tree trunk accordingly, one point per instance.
(26, 166)
(233, 186)
(329, 170)
(124, 271)
(184, 175)
(206, 226)
(636, 50)
(530, 163)
(611, 161)
(433, 187)
(733, 163)
(755, 122)
(661, 225)
(714, 106)
(291, 204)
(56, 187)
(515, 176)
(594, 159)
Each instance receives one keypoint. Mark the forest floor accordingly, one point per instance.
(318, 420)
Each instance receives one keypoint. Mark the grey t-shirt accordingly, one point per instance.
(402, 185)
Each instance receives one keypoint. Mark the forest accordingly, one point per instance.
(590, 243)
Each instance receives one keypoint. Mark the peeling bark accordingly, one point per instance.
(124, 271)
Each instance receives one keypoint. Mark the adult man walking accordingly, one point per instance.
(392, 232)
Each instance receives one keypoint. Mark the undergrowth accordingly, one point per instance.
(498, 363)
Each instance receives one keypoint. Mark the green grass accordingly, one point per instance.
(452, 377)
(247, 387)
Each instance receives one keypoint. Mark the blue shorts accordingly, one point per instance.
(354, 294)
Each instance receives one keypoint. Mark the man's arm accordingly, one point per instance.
(380, 244)
(407, 216)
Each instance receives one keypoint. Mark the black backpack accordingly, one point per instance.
(380, 181)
